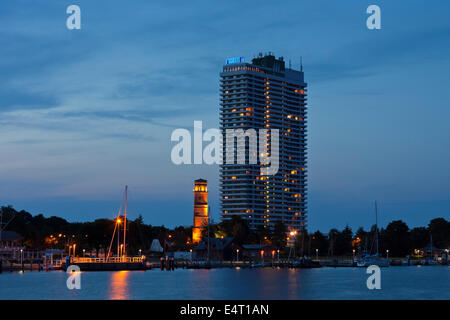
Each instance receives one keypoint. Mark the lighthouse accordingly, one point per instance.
(200, 209)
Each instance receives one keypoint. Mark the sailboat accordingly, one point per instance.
(110, 262)
(429, 261)
(373, 259)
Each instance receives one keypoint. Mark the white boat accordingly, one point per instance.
(374, 259)
(371, 260)
(430, 262)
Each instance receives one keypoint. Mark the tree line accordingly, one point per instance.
(40, 232)
(397, 237)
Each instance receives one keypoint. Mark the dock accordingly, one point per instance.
(110, 264)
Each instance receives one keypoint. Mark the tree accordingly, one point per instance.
(396, 238)
(363, 240)
(279, 235)
(419, 237)
(343, 242)
(319, 242)
(332, 235)
(440, 230)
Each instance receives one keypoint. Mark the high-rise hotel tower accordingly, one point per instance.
(265, 94)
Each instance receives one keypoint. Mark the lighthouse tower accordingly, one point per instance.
(200, 209)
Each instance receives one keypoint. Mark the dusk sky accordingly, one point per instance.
(85, 112)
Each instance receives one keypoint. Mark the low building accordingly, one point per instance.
(430, 251)
(10, 244)
(156, 246)
(12, 248)
(257, 251)
(10, 239)
(220, 249)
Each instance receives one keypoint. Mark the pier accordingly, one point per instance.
(109, 264)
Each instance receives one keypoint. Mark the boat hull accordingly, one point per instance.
(382, 263)
(115, 266)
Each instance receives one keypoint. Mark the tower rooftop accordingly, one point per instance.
(269, 61)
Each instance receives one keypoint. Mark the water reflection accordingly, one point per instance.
(119, 288)
(293, 283)
(265, 283)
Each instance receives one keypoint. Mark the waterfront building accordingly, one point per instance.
(200, 209)
(220, 249)
(259, 251)
(265, 94)
(10, 244)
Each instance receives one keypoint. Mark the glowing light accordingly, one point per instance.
(119, 285)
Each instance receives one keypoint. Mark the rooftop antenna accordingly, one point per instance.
(290, 65)
(301, 63)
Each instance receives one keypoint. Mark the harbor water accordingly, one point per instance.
(415, 282)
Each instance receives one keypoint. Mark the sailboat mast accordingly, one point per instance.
(208, 231)
(118, 238)
(1, 223)
(124, 253)
(431, 245)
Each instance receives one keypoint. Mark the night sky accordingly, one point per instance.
(85, 112)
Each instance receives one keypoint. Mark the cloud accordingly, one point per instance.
(13, 99)
(375, 55)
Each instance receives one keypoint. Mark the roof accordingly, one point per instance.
(427, 249)
(254, 246)
(156, 246)
(215, 243)
(10, 235)
(269, 61)
(201, 180)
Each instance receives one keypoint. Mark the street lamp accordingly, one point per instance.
(387, 253)
(191, 253)
(353, 254)
(278, 255)
(317, 254)
(84, 252)
(140, 252)
(237, 255)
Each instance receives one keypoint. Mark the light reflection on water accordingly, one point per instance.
(119, 285)
(267, 283)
